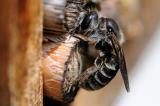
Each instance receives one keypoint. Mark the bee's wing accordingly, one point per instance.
(121, 59)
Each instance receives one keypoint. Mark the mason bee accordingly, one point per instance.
(98, 54)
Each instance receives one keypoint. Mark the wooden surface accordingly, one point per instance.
(20, 53)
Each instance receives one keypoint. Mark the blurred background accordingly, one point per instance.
(144, 78)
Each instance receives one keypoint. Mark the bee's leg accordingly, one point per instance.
(87, 81)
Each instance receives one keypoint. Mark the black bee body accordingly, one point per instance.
(99, 54)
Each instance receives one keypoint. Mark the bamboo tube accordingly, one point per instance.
(20, 53)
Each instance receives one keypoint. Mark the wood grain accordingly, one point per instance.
(20, 53)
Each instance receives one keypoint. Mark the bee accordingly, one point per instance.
(105, 35)
(98, 56)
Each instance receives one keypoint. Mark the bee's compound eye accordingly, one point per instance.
(90, 20)
(112, 26)
(110, 29)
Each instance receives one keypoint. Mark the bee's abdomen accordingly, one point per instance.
(99, 79)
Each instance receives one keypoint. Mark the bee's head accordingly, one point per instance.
(112, 27)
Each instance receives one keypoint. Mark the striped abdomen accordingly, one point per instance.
(99, 79)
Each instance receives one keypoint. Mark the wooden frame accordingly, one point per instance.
(20, 53)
